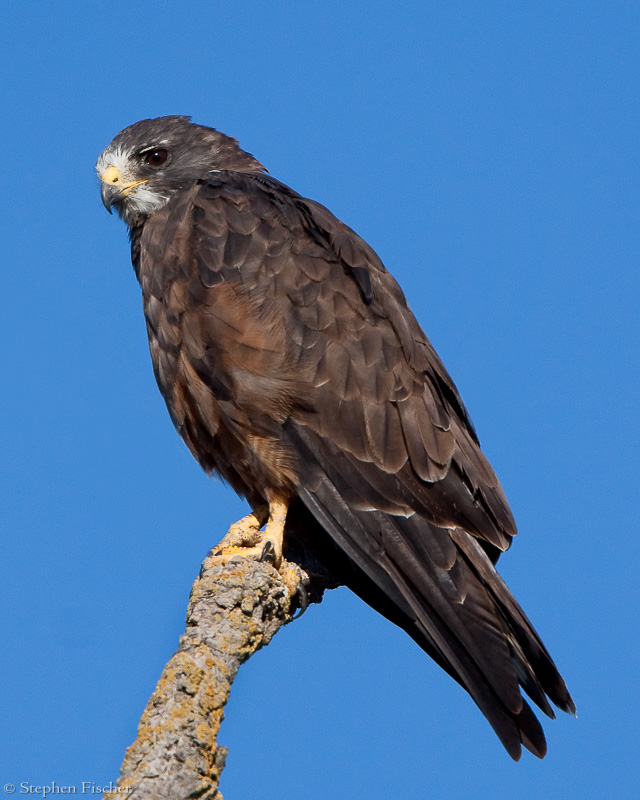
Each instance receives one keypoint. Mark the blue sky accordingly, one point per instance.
(489, 153)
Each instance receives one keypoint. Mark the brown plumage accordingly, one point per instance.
(292, 366)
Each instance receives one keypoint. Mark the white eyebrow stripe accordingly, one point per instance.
(153, 146)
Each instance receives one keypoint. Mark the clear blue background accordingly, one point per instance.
(489, 153)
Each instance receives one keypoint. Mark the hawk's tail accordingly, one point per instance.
(439, 585)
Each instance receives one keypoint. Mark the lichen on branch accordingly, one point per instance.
(234, 610)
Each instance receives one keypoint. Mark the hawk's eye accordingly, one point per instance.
(156, 157)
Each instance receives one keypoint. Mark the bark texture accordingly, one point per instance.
(234, 610)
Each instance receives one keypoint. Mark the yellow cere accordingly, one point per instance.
(111, 175)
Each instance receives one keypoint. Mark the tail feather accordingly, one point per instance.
(465, 617)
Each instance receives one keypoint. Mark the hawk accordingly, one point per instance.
(292, 367)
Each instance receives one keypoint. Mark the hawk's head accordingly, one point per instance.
(150, 161)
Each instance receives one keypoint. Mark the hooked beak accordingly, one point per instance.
(109, 195)
(113, 190)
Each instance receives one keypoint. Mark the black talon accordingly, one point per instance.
(302, 597)
(268, 553)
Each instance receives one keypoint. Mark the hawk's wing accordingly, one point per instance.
(276, 329)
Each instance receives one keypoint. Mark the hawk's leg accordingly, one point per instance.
(245, 538)
(274, 530)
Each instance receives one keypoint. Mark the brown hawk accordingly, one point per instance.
(293, 367)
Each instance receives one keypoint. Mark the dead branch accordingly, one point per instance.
(234, 610)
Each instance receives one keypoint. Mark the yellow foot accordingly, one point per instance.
(293, 579)
(245, 538)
